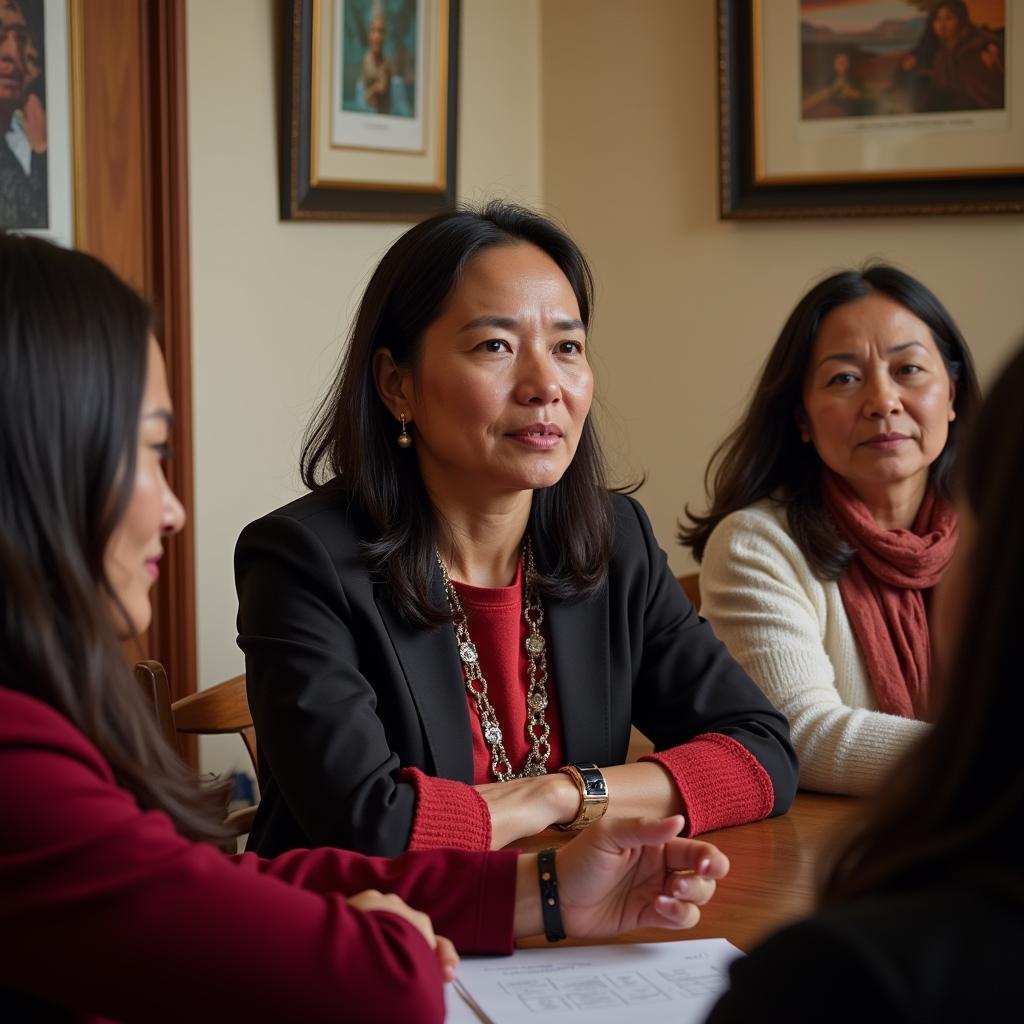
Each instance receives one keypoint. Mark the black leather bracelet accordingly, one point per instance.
(550, 909)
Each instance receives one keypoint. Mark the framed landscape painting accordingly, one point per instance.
(862, 107)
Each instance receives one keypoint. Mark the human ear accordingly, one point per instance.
(393, 384)
(952, 399)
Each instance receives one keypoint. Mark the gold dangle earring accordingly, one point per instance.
(404, 440)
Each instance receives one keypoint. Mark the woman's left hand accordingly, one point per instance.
(635, 873)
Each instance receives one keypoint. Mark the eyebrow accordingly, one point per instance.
(851, 357)
(509, 323)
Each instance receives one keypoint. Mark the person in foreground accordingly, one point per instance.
(922, 913)
(116, 902)
(448, 636)
(830, 519)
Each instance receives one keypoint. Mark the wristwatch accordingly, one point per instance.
(593, 794)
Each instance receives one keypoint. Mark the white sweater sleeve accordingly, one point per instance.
(764, 603)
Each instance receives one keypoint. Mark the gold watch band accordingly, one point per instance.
(593, 790)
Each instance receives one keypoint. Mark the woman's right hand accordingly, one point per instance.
(622, 874)
(371, 900)
(524, 807)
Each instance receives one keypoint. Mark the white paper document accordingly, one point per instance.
(675, 982)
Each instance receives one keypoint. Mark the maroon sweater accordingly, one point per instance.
(108, 913)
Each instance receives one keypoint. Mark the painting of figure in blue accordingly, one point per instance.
(379, 57)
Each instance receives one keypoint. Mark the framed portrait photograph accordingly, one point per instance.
(867, 107)
(370, 109)
(36, 190)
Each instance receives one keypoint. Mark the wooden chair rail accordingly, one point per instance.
(217, 710)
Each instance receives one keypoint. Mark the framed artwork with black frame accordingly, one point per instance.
(370, 113)
(839, 108)
(37, 169)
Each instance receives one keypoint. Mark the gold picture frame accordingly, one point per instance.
(793, 149)
(359, 147)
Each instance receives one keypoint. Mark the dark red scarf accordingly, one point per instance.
(883, 591)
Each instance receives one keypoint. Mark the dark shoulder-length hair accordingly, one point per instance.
(351, 439)
(954, 805)
(764, 455)
(73, 355)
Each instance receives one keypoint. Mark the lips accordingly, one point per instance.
(153, 565)
(538, 437)
(537, 430)
(890, 440)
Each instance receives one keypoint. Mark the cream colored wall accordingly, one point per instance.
(607, 112)
(688, 305)
(272, 300)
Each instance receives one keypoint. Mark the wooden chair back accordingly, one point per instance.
(217, 710)
(690, 582)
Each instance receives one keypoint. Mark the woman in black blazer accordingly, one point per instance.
(461, 622)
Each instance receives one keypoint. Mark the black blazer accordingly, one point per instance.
(344, 691)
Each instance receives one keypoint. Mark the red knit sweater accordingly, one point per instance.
(720, 782)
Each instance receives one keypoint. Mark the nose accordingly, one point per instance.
(173, 512)
(882, 398)
(538, 382)
(10, 46)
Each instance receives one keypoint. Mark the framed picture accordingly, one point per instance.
(866, 107)
(370, 109)
(36, 193)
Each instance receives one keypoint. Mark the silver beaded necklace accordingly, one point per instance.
(537, 728)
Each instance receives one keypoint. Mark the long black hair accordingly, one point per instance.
(764, 454)
(351, 437)
(954, 804)
(73, 356)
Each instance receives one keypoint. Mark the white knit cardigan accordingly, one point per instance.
(790, 631)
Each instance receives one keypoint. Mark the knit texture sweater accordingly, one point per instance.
(720, 783)
(791, 633)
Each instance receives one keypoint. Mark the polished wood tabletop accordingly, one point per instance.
(771, 880)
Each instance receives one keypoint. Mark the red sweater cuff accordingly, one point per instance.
(448, 814)
(721, 783)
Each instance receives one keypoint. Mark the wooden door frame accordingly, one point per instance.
(129, 74)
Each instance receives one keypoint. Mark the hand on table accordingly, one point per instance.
(370, 900)
(635, 873)
(524, 807)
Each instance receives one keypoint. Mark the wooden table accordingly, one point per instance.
(771, 880)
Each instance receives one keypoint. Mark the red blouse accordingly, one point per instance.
(720, 782)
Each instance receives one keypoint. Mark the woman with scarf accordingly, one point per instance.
(920, 916)
(830, 519)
